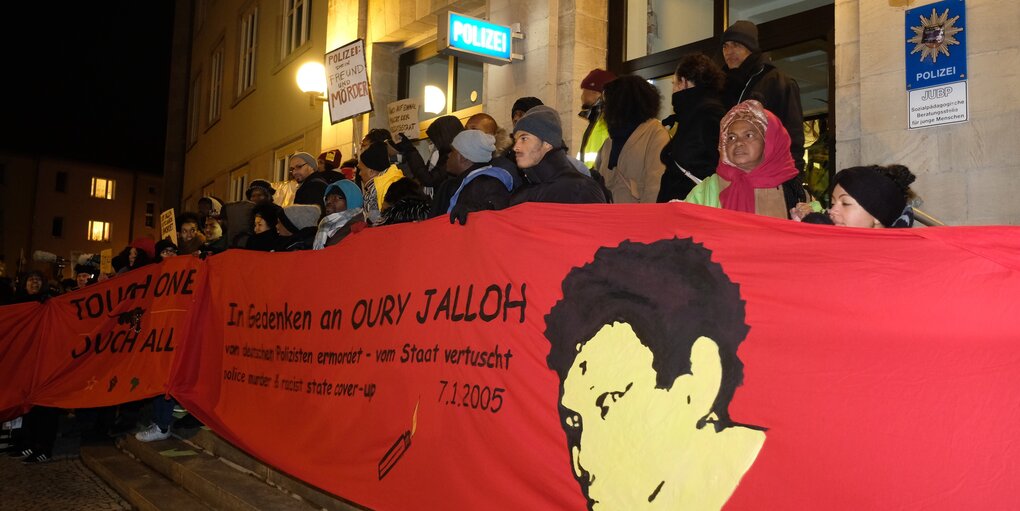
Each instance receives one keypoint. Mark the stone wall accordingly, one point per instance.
(966, 173)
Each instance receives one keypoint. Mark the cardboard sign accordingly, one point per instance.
(106, 261)
(403, 117)
(168, 225)
(348, 93)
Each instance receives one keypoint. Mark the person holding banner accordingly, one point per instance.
(343, 202)
(754, 162)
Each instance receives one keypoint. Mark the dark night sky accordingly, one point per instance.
(87, 80)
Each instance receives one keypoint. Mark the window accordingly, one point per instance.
(99, 230)
(60, 184)
(103, 188)
(667, 24)
(150, 214)
(246, 56)
(297, 23)
(443, 85)
(281, 157)
(238, 185)
(194, 114)
(216, 85)
(57, 229)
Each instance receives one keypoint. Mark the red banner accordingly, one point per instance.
(554, 356)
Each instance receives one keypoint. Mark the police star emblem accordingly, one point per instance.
(935, 35)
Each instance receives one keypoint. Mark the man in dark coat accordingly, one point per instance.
(311, 183)
(441, 133)
(751, 75)
(540, 156)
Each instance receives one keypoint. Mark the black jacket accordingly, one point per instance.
(311, 190)
(301, 240)
(441, 133)
(758, 78)
(695, 145)
(555, 179)
(266, 241)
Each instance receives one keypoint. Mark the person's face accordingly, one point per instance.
(364, 172)
(260, 224)
(529, 149)
(635, 446)
(335, 203)
(734, 54)
(456, 163)
(744, 145)
(846, 211)
(132, 256)
(210, 225)
(259, 197)
(167, 252)
(33, 285)
(516, 116)
(82, 279)
(188, 231)
(300, 169)
(589, 97)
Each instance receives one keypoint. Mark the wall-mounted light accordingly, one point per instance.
(311, 79)
(435, 99)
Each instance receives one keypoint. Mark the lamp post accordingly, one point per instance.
(311, 79)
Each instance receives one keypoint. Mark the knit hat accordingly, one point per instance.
(309, 159)
(543, 122)
(348, 190)
(162, 245)
(215, 205)
(260, 184)
(146, 245)
(86, 268)
(743, 32)
(597, 80)
(376, 157)
(332, 158)
(475, 145)
(877, 191)
(524, 104)
(300, 216)
(269, 212)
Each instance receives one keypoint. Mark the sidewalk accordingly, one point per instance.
(60, 485)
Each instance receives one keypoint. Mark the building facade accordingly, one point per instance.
(846, 55)
(72, 208)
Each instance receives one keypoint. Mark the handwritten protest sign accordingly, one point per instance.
(348, 92)
(403, 117)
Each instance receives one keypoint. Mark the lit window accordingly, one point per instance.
(297, 23)
(103, 188)
(216, 85)
(99, 231)
(238, 185)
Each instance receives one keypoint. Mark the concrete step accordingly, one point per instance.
(216, 483)
(142, 487)
(217, 446)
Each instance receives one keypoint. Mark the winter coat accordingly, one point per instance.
(594, 136)
(638, 172)
(554, 179)
(266, 241)
(695, 144)
(311, 190)
(301, 240)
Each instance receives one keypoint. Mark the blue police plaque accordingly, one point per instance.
(936, 44)
(474, 38)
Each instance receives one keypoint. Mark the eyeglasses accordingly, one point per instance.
(302, 164)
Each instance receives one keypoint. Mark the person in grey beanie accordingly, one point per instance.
(311, 185)
(477, 184)
(549, 174)
(297, 226)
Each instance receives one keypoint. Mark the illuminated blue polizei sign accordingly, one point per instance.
(474, 39)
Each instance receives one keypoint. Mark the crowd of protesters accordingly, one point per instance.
(734, 140)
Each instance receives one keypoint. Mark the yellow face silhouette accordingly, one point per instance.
(637, 446)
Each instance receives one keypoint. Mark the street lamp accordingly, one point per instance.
(311, 79)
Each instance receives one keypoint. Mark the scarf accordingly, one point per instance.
(776, 166)
(619, 135)
(332, 223)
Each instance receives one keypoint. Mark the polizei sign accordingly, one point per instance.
(474, 39)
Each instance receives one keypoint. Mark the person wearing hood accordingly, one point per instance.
(139, 253)
(751, 75)
(693, 152)
(84, 274)
(406, 202)
(343, 202)
(264, 220)
(754, 162)
(540, 156)
(189, 235)
(165, 248)
(440, 134)
(297, 226)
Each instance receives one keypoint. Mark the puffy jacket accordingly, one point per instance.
(555, 179)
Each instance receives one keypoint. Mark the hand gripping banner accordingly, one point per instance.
(610, 357)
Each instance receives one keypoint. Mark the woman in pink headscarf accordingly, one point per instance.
(754, 162)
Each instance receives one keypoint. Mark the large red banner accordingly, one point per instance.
(610, 357)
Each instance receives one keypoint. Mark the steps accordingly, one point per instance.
(202, 473)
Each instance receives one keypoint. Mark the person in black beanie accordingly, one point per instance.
(751, 75)
(544, 163)
(521, 107)
(873, 196)
(265, 238)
